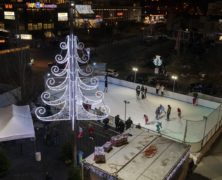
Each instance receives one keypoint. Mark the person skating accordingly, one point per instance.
(157, 88)
(162, 109)
(179, 113)
(142, 92)
(158, 126)
(195, 96)
(157, 112)
(146, 119)
(145, 91)
(168, 112)
(138, 91)
(162, 87)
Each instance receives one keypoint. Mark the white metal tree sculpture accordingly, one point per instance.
(74, 88)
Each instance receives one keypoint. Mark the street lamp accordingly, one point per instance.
(126, 102)
(135, 69)
(174, 77)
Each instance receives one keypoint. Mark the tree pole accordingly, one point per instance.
(72, 44)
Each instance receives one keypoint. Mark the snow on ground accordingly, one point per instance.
(174, 128)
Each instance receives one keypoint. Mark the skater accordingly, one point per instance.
(158, 126)
(138, 91)
(145, 91)
(162, 87)
(195, 95)
(146, 118)
(179, 113)
(157, 112)
(168, 112)
(157, 88)
(162, 109)
(117, 119)
(142, 92)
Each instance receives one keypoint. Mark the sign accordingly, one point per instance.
(119, 13)
(157, 61)
(84, 9)
(9, 15)
(39, 5)
(8, 6)
(26, 36)
(63, 16)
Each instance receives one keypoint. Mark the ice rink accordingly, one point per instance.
(174, 128)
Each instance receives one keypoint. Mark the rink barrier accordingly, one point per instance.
(169, 94)
(205, 129)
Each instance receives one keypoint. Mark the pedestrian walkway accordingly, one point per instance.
(211, 165)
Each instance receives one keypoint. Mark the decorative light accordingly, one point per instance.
(173, 172)
(157, 61)
(73, 88)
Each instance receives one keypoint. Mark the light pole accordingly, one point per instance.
(174, 77)
(126, 102)
(135, 69)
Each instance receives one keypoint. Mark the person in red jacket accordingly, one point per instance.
(146, 118)
(91, 131)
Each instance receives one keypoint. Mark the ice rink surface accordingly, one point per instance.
(174, 128)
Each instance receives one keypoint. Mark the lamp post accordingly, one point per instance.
(126, 102)
(174, 77)
(135, 69)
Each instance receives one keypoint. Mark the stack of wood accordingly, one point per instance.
(107, 146)
(99, 155)
(119, 140)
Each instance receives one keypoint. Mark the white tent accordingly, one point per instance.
(10, 97)
(16, 123)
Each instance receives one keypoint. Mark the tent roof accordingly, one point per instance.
(10, 97)
(16, 123)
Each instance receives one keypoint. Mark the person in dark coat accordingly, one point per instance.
(145, 91)
(106, 86)
(128, 123)
(106, 122)
(138, 91)
(142, 92)
(117, 120)
(168, 112)
(121, 126)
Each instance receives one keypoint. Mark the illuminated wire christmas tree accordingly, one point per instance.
(73, 86)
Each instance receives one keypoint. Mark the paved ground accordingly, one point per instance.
(211, 165)
(22, 153)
